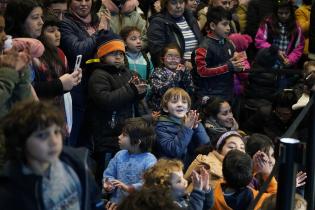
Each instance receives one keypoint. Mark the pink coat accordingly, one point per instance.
(294, 50)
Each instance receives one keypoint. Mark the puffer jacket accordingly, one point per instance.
(303, 14)
(111, 101)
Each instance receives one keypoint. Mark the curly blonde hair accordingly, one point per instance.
(161, 173)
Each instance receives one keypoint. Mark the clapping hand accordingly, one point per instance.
(191, 119)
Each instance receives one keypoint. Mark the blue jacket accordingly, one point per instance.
(197, 200)
(174, 140)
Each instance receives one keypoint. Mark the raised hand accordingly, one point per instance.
(197, 180)
(205, 176)
(300, 179)
(262, 164)
(190, 119)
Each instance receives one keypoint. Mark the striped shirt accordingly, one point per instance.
(190, 39)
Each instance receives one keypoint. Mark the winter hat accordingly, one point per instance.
(225, 136)
(36, 48)
(267, 57)
(109, 42)
(240, 41)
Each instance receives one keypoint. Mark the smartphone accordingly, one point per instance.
(77, 62)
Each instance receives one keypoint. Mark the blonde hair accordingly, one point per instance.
(161, 173)
(308, 64)
(270, 203)
(175, 92)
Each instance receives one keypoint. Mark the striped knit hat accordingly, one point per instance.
(109, 42)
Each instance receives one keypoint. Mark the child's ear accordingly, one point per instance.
(212, 26)
(165, 110)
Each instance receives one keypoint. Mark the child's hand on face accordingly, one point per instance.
(300, 179)
(235, 125)
(108, 186)
(261, 163)
(180, 67)
(197, 180)
(123, 186)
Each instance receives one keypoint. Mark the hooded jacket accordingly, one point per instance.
(20, 191)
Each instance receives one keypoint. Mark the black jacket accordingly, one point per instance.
(19, 191)
(111, 100)
(163, 30)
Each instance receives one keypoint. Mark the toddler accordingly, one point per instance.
(124, 171)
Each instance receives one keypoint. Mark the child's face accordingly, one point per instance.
(34, 23)
(177, 107)
(2, 32)
(52, 34)
(44, 146)
(124, 142)
(221, 29)
(283, 14)
(171, 59)
(231, 143)
(134, 41)
(115, 58)
(226, 4)
(178, 184)
(225, 116)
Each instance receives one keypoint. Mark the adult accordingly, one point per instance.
(56, 7)
(79, 30)
(173, 25)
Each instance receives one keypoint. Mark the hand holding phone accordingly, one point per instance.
(77, 62)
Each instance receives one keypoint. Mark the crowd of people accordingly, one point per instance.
(150, 104)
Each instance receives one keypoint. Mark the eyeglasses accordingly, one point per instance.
(175, 58)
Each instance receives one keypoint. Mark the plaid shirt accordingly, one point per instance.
(282, 42)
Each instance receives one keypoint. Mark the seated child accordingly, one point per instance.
(40, 172)
(179, 130)
(214, 60)
(172, 74)
(233, 192)
(124, 172)
(169, 174)
(309, 81)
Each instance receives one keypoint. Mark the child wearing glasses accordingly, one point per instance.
(172, 73)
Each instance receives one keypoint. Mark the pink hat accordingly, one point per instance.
(36, 48)
(240, 41)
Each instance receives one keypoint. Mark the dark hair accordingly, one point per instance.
(256, 142)
(50, 55)
(172, 46)
(286, 98)
(124, 33)
(212, 107)
(138, 129)
(15, 15)
(48, 3)
(237, 169)
(217, 14)
(153, 198)
(23, 119)
(291, 24)
(307, 2)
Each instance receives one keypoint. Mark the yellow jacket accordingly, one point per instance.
(302, 15)
(241, 12)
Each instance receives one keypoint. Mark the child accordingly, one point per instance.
(179, 131)
(233, 193)
(137, 60)
(124, 171)
(112, 94)
(241, 43)
(169, 174)
(40, 173)
(280, 29)
(309, 78)
(172, 74)
(214, 60)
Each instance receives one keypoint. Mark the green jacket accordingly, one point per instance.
(14, 87)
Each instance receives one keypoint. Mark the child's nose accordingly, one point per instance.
(185, 183)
